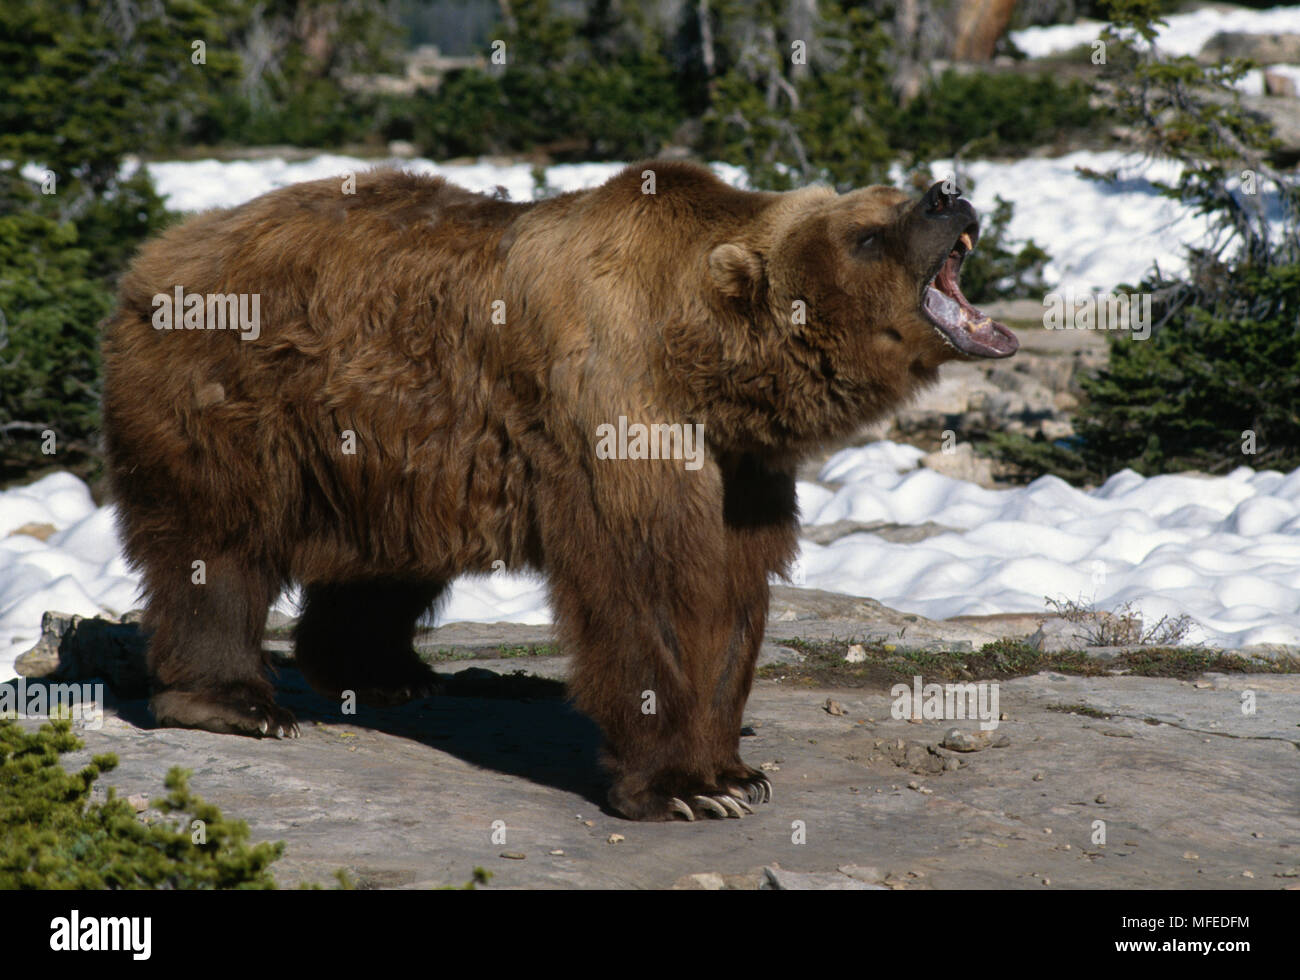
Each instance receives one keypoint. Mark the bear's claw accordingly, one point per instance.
(718, 807)
(677, 806)
(756, 789)
(735, 803)
(281, 731)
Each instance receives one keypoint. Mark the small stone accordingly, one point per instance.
(514, 855)
(556, 853)
(1248, 874)
(1047, 830)
(867, 873)
(1038, 777)
(833, 707)
(589, 823)
(615, 839)
(1190, 856)
(139, 802)
(913, 785)
(1101, 798)
(1047, 881)
(1202, 685)
(960, 741)
(778, 879)
(708, 881)
(855, 654)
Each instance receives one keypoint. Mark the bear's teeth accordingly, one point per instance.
(965, 240)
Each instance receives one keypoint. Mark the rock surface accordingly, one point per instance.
(407, 797)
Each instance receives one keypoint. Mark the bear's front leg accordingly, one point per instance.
(664, 617)
(667, 682)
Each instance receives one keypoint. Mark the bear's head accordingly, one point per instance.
(869, 278)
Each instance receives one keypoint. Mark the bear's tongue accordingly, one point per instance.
(965, 327)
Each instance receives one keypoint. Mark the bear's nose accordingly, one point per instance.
(937, 200)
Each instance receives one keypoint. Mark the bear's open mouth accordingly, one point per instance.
(961, 324)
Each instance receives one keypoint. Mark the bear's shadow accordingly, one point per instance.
(519, 726)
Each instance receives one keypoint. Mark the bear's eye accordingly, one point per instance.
(866, 238)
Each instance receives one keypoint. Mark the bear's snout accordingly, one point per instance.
(932, 227)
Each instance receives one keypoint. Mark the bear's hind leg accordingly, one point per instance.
(205, 655)
(357, 636)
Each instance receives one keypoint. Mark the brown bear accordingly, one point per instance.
(372, 386)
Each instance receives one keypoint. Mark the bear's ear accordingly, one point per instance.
(736, 270)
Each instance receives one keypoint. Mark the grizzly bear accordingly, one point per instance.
(369, 386)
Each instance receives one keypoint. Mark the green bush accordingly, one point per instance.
(56, 286)
(578, 89)
(1000, 268)
(50, 307)
(82, 88)
(1224, 362)
(1003, 114)
(53, 836)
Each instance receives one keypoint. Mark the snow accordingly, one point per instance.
(1223, 550)
(195, 185)
(1098, 235)
(1185, 33)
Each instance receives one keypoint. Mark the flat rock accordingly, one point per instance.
(1192, 774)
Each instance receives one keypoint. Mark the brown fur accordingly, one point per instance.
(475, 440)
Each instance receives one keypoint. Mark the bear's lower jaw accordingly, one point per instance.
(971, 332)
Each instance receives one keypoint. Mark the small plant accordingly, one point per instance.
(1002, 114)
(53, 836)
(1122, 628)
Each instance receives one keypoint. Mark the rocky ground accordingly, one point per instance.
(1104, 776)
